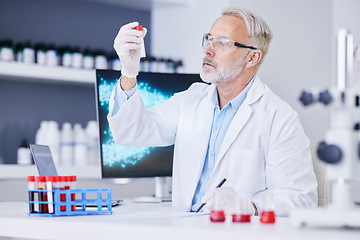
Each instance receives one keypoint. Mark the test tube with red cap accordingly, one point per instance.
(33, 207)
(42, 195)
(62, 195)
(67, 187)
(72, 187)
(142, 45)
(50, 196)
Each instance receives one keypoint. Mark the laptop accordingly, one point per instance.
(46, 167)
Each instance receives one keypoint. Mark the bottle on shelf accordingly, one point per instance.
(41, 134)
(66, 56)
(52, 56)
(7, 51)
(92, 133)
(67, 145)
(80, 146)
(115, 63)
(77, 58)
(19, 52)
(53, 141)
(101, 61)
(40, 49)
(28, 53)
(88, 59)
(23, 153)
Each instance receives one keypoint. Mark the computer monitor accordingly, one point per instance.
(119, 161)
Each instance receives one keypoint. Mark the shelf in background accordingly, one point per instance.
(14, 171)
(34, 72)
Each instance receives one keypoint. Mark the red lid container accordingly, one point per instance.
(31, 178)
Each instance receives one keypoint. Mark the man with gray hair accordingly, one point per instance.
(235, 128)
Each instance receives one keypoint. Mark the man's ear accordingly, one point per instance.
(253, 58)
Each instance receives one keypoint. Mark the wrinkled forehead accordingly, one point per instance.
(230, 27)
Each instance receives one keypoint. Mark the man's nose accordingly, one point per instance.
(208, 50)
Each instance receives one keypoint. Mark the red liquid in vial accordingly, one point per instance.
(73, 195)
(45, 199)
(267, 217)
(217, 216)
(241, 218)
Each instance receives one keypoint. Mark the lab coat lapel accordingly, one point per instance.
(241, 118)
(203, 123)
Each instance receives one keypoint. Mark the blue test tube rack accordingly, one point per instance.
(64, 208)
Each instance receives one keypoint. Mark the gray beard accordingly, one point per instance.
(224, 74)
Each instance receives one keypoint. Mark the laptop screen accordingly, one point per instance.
(43, 160)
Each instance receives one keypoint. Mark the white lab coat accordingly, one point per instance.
(264, 150)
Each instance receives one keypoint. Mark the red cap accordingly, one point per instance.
(48, 178)
(40, 179)
(31, 178)
(73, 178)
(139, 27)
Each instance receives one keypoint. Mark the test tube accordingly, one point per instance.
(31, 186)
(42, 196)
(62, 195)
(243, 209)
(142, 45)
(217, 213)
(50, 196)
(72, 187)
(55, 186)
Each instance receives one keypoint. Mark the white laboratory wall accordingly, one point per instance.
(299, 57)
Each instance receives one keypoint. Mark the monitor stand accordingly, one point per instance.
(161, 194)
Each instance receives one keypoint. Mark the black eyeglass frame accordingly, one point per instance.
(244, 46)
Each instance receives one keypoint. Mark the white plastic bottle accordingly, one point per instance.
(7, 51)
(101, 61)
(92, 133)
(88, 59)
(41, 134)
(23, 153)
(67, 144)
(52, 56)
(53, 141)
(28, 53)
(67, 56)
(80, 146)
(77, 58)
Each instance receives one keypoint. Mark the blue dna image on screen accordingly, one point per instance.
(118, 161)
(115, 153)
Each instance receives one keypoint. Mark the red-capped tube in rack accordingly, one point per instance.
(142, 45)
(42, 196)
(62, 195)
(33, 207)
(50, 196)
(73, 187)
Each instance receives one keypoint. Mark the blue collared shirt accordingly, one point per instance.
(221, 122)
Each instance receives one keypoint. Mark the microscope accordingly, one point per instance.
(341, 148)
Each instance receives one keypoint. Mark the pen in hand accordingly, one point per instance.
(218, 186)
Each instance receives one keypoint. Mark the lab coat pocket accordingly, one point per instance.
(248, 169)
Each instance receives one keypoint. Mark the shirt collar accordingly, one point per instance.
(237, 101)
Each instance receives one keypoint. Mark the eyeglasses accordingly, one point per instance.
(221, 44)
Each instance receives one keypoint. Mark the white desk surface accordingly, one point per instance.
(152, 221)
